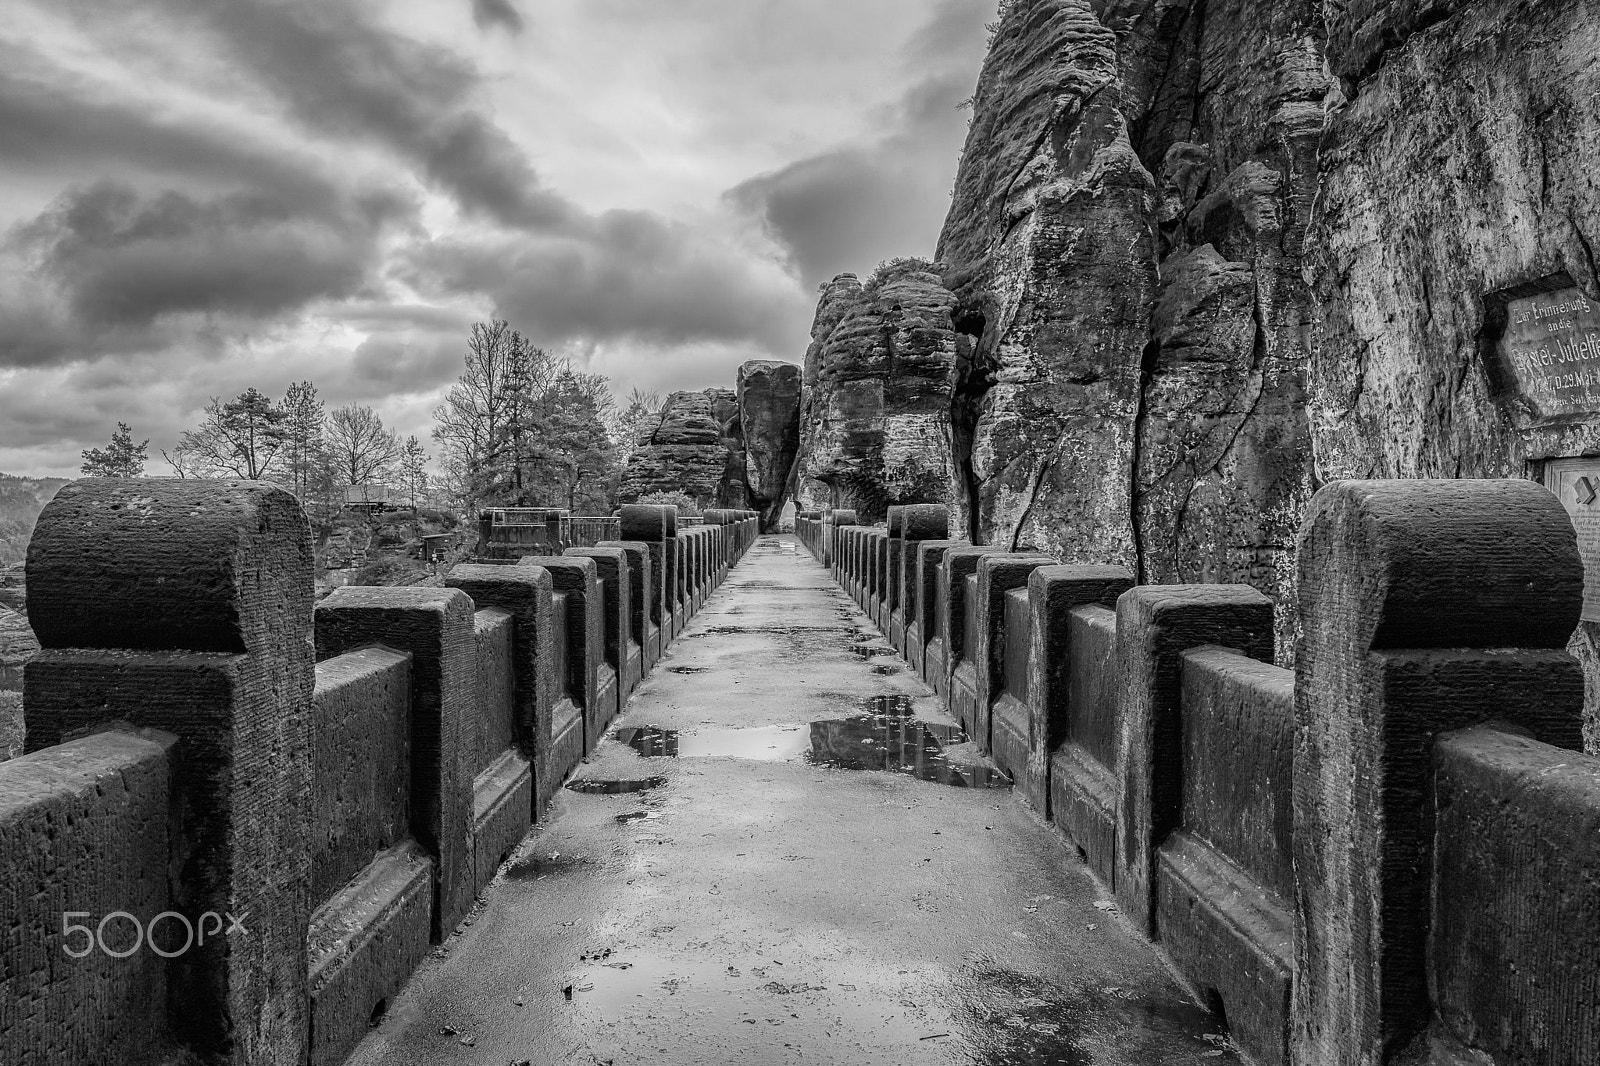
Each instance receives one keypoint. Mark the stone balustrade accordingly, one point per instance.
(242, 822)
(1388, 850)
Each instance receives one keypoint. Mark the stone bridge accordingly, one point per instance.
(874, 795)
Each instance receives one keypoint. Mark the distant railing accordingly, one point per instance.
(585, 532)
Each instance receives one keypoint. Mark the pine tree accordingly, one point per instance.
(120, 458)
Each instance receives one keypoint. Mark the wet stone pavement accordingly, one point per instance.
(786, 852)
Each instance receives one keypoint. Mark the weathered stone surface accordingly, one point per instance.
(85, 831)
(1125, 244)
(876, 427)
(696, 448)
(185, 606)
(1458, 164)
(436, 626)
(1516, 918)
(769, 414)
(360, 763)
(1427, 606)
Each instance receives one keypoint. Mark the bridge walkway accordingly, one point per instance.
(747, 883)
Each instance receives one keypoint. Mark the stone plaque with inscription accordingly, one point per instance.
(1551, 348)
(1576, 483)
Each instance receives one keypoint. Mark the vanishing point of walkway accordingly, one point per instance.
(768, 893)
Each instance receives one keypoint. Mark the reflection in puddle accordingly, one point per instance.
(889, 738)
(867, 651)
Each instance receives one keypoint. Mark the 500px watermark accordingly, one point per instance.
(144, 933)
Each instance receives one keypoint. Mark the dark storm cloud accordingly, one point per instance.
(126, 258)
(839, 211)
(341, 75)
(846, 208)
(48, 127)
(500, 13)
(628, 275)
(117, 260)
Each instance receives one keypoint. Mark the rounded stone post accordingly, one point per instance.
(1425, 607)
(185, 606)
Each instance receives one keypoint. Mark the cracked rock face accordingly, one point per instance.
(876, 420)
(697, 448)
(769, 414)
(1125, 244)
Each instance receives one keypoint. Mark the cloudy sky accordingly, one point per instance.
(197, 197)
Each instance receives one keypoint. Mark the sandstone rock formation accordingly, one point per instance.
(1125, 242)
(769, 417)
(697, 447)
(876, 421)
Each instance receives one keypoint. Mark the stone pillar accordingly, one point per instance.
(1156, 624)
(592, 684)
(641, 601)
(997, 575)
(922, 569)
(525, 593)
(656, 527)
(1054, 592)
(918, 522)
(890, 582)
(833, 547)
(1425, 606)
(621, 651)
(435, 626)
(185, 606)
(958, 680)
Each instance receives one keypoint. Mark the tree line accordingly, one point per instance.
(520, 427)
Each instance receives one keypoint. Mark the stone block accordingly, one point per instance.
(591, 683)
(650, 523)
(1084, 779)
(621, 646)
(997, 575)
(436, 627)
(360, 763)
(1515, 942)
(1425, 607)
(1054, 592)
(85, 833)
(1225, 877)
(1155, 625)
(185, 606)
(526, 594)
(492, 729)
(363, 944)
(956, 684)
(643, 606)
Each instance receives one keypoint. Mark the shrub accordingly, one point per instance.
(686, 505)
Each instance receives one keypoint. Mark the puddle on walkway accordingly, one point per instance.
(867, 651)
(888, 737)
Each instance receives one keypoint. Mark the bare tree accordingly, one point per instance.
(360, 448)
(484, 427)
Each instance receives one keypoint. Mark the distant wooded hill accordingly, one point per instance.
(21, 500)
